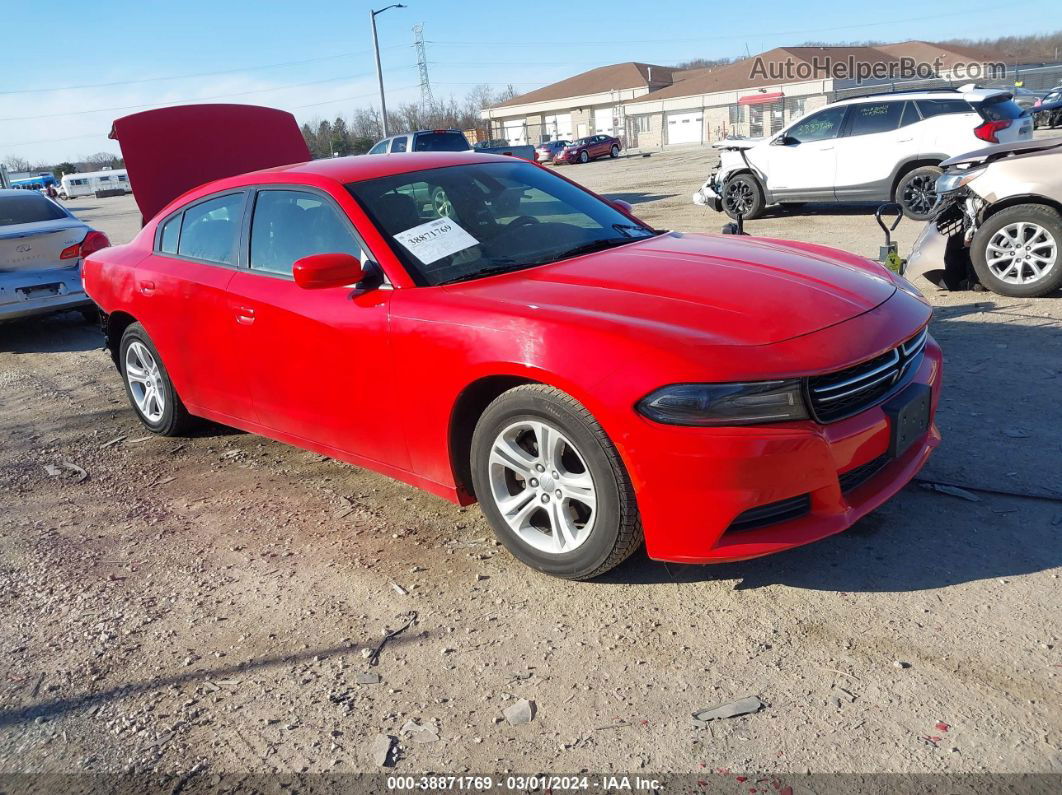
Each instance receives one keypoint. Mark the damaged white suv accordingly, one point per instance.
(883, 147)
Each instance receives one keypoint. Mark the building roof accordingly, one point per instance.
(597, 81)
(928, 52)
(762, 70)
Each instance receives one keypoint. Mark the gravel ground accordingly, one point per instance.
(205, 603)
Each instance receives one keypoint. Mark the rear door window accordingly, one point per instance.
(291, 224)
(874, 117)
(939, 107)
(211, 228)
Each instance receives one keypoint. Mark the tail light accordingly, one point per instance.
(988, 130)
(92, 243)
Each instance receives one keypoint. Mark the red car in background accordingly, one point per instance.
(586, 378)
(547, 150)
(590, 148)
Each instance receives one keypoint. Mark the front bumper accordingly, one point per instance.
(708, 195)
(941, 253)
(690, 496)
(28, 293)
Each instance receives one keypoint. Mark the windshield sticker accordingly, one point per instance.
(436, 239)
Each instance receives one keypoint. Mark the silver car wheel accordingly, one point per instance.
(145, 382)
(1021, 253)
(542, 487)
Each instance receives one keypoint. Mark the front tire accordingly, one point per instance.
(614, 152)
(148, 385)
(742, 195)
(1016, 251)
(552, 484)
(916, 192)
(584, 156)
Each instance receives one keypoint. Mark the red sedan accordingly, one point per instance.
(586, 149)
(586, 378)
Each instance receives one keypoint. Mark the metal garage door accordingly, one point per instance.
(684, 128)
(559, 127)
(516, 132)
(603, 121)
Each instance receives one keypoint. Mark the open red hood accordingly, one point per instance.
(171, 150)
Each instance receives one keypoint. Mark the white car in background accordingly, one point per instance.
(883, 147)
(41, 249)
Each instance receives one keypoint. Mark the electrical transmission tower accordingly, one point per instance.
(426, 99)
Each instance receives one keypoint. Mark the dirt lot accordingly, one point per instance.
(206, 601)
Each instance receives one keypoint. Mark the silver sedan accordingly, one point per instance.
(41, 248)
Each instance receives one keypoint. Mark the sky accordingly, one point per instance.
(67, 69)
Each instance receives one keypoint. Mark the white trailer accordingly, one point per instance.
(92, 183)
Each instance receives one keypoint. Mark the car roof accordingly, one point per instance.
(970, 95)
(20, 192)
(343, 170)
(360, 167)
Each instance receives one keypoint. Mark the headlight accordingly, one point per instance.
(949, 182)
(725, 404)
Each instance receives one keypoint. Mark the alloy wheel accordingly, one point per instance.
(1021, 253)
(542, 486)
(145, 382)
(919, 194)
(739, 197)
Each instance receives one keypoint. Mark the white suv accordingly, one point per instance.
(885, 147)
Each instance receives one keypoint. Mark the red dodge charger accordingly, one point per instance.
(525, 343)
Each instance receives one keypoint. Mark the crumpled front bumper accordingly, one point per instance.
(941, 254)
(39, 292)
(708, 195)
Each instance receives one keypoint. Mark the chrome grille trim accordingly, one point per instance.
(889, 365)
(835, 396)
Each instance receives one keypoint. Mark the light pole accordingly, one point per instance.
(379, 71)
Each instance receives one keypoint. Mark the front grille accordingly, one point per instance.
(949, 217)
(781, 511)
(854, 478)
(838, 395)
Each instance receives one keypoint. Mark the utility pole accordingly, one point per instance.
(426, 99)
(379, 69)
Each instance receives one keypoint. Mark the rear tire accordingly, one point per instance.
(148, 385)
(552, 485)
(743, 195)
(1038, 231)
(916, 192)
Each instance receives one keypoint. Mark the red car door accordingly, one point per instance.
(319, 360)
(180, 295)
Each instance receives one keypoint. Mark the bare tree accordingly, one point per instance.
(16, 163)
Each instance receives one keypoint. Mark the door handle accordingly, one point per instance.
(826, 149)
(146, 287)
(244, 315)
(904, 140)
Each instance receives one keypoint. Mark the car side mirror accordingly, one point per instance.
(785, 140)
(622, 206)
(327, 270)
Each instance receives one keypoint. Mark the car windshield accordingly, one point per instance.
(440, 142)
(581, 142)
(463, 222)
(28, 209)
